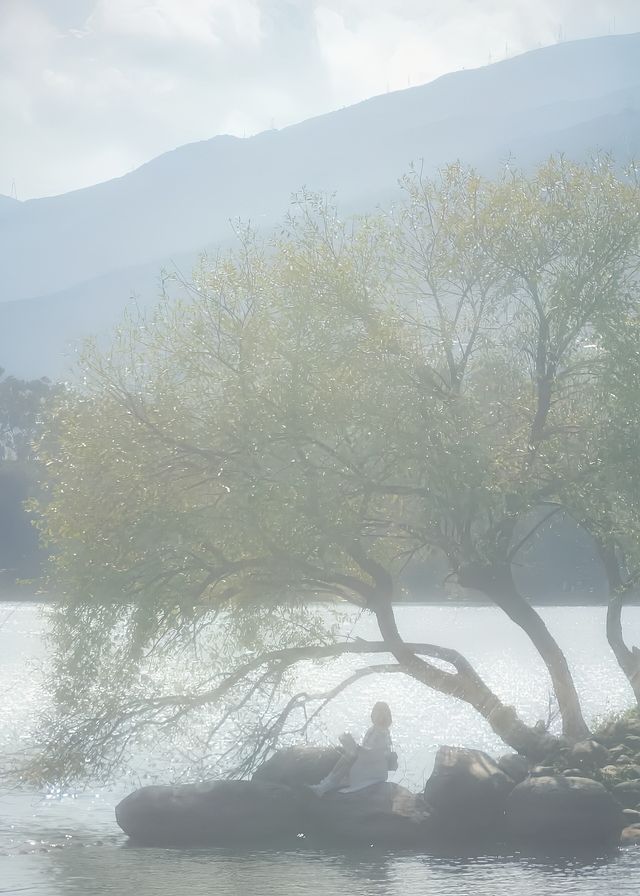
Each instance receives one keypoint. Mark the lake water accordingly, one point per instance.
(70, 844)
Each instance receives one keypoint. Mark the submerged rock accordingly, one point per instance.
(466, 792)
(298, 765)
(563, 810)
(212, 814)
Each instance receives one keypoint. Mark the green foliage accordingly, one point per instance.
(229, 453)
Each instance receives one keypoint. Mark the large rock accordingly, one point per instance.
(466, 792)
(515, 766)
(298, 765)
(213, 813)
(383, 814)
(563, 810)
(590, 754)
(627, 793)
(630, 836)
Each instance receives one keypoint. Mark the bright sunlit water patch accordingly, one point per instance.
(71, 845)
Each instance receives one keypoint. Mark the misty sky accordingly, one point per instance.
(89, 89)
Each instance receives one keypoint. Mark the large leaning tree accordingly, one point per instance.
(319, 411)
(528, 290)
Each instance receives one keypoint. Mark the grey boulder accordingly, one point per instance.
(383, 814)
(590, 754)
(558, 810)
(212, 813)
(294, 766)
(467, 792)
(627, 793)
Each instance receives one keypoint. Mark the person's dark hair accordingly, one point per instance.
(381, 714)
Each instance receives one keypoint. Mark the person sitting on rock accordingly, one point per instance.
(363, 764)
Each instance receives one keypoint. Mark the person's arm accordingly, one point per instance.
(376, 739)
(348, 742)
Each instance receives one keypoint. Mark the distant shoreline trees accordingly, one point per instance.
(323, 409)
(22, 405)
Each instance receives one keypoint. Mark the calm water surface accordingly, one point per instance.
(71, 845)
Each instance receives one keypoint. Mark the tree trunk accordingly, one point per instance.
(628, 658)
(466, 685)
(497, 582)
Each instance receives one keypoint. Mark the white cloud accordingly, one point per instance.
(174, 21)
(92, 88)
(387, 45)
(26, 35)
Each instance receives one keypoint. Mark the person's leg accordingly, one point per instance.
(337, 777)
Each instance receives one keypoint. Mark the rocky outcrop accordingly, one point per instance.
(573, 800)
(256, 812)
(563, 810)
(295, 766)
(212, 814)
(382, 814)
(467, 792)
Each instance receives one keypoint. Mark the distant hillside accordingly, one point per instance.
(69, 264)
(8, 205)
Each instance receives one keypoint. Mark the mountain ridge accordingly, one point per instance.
(578, 98)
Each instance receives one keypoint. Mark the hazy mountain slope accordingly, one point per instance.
(42, 336)
(81, 254)
(8, 205)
